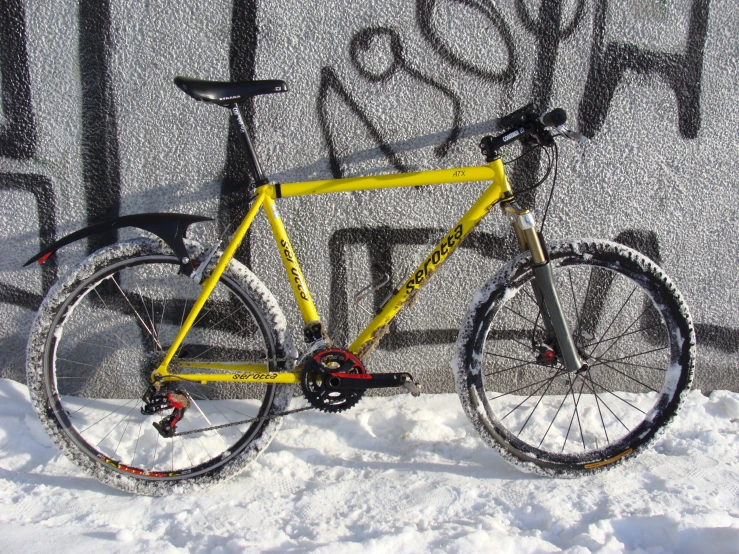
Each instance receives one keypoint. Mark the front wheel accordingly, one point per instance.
(106, 326)
(631, 327)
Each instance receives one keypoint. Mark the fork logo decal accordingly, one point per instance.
(440, 253)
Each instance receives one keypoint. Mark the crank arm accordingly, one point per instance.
(363, 381)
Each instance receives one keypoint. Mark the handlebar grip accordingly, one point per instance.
(555, 118)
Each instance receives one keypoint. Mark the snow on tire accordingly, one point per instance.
(630, 325)
(104, 327)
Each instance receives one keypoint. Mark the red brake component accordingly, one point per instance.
(43, 258)
(352, 375)
(347, 356)
(176, 401)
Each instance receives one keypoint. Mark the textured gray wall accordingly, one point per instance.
(92, 127)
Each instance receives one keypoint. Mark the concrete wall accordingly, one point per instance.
(92, 127)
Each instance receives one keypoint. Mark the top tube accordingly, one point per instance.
(392, 180)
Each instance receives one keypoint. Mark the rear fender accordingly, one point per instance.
(171, 228)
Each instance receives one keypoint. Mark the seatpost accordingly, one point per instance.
(248, 146)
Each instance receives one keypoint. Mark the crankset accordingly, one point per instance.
(334, 380)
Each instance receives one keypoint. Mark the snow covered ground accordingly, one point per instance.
(395, 474)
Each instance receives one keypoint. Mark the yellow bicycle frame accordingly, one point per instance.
(498, 190)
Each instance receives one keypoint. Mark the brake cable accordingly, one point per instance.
(551, 190)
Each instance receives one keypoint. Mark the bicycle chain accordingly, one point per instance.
(193, 431)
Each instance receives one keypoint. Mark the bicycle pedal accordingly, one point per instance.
(412, 387)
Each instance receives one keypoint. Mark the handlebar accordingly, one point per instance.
(555, 118)
(523, 124)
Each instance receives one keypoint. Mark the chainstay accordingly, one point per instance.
(204, 429)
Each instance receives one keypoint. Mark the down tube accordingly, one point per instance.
(368, 338)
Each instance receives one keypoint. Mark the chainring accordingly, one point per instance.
(316, 371)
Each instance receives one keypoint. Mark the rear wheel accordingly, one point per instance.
(630, 326)
(104, 328)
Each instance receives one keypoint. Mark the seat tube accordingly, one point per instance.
(290, 261)
(251, 154)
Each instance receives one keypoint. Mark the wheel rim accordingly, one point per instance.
(108, 336)
(553, 416)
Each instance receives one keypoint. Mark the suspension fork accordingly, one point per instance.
(545, 292)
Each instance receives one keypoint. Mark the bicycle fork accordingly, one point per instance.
(544, 290)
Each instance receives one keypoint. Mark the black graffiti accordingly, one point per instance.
(549, 31)
(488, 10)
(237, 179)
(720, 337)
(382, 241)
(18, 133)
(99, 140)
(682, 72)
(331, 83)
(363, 41)
(43, 193)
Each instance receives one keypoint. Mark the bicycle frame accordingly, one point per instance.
(497, 191)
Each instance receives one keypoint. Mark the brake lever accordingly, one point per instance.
(579, 138)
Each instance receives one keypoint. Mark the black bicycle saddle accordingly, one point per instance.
(227, 93)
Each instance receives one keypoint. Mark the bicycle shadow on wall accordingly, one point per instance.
(318, 168)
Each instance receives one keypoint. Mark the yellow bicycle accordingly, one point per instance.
(159, 364)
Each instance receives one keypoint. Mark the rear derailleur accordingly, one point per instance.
(334, 380)
(157, 399)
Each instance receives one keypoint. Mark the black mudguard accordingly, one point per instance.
(171, 228)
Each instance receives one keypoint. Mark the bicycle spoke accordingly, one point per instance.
(522, 317)
(564, 397)
(116, 425)
(632, 378)
(600, 413)
(116, 335)
(525, 399)
(579, 423)
(617, 396)
(573, 413)
(574, 299)
(184, 308)
(618, 313)
(607, 406)
(115, 451)
(536, 405)
(213, 327)
(146, 310)
(151, 333)
(618, 337)
(184, 447)
(634, 365)
(624, 334)
(629, 356)
(508, 369)
(516, 390)
(161, 319)
(107, 415)
(510, 358)
(136, 446)
(76, 362)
